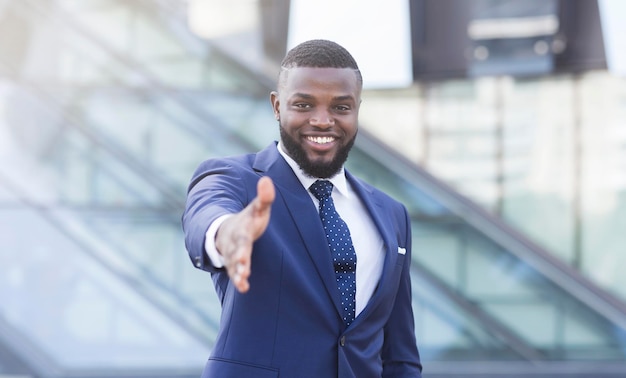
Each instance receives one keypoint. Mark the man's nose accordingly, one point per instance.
(322, 118)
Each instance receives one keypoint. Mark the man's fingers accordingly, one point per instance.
(240, 277)
(239, 266)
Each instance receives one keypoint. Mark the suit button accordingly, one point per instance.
(342, 341)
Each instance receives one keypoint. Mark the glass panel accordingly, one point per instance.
(462, 129)
(445, 331)
(6, 197)
(78, 311)
(603, 179)
(152, 247)
(538, 187)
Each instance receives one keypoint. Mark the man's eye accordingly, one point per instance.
(302, 106)
(342, 108)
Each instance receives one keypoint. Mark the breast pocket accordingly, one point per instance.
(400, 256)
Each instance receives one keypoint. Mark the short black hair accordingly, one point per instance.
(320, 53)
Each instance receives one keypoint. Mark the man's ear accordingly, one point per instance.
(275, 104)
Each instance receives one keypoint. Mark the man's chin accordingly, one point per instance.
(320, 161)
(321, 168)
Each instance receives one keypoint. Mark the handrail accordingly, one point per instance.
(565, 277)
(178, 26)
(181, 98)
(171, 195)
(488, 322)
(31, 361)
(60, 224)
(171, 199)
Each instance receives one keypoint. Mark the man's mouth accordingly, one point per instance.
(320, 139)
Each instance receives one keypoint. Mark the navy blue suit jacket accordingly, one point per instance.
(289, 323)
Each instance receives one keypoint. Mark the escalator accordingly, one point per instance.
(115, 132)
(510, 309)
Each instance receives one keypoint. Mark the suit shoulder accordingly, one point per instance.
(222, 165)
(225, 162)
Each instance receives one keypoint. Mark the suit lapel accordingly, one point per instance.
(377, 211)
(303, 214)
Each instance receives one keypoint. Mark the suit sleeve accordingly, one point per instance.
(215, 190)
(400, 354)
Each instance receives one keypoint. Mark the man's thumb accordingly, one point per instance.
(265, 191)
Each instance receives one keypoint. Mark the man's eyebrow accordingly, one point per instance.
(303, 95)
(344, 98)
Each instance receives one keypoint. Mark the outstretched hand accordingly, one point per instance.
(236, 235)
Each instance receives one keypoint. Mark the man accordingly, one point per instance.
(311, 284)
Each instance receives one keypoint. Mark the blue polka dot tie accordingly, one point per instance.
(341, 248)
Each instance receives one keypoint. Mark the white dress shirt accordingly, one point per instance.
(368, 243)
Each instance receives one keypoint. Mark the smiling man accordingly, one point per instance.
(310, 263)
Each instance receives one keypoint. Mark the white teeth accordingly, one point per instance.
(321, 140)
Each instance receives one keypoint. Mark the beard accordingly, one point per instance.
(313, 168)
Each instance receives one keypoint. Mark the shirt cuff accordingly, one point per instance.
(209, 242)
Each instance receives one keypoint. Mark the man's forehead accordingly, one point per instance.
(317, 73)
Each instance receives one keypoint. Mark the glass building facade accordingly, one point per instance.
(545, 154)
(107, 107)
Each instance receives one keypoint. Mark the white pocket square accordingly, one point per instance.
(401, 251)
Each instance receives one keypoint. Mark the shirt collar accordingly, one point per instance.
(339, 180)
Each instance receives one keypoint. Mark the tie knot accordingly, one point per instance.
(321, 189)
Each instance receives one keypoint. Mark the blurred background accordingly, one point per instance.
(500, 124)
